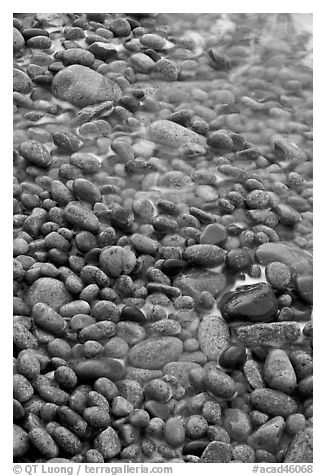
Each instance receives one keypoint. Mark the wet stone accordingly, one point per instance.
(35, 153)
(204, 255)
(268, 436)
(49, 291)
(273, 402)
(300, 449)
(91, 369)
(155, 353)
(217, 452)
(277, 333)
(194, 281)
(83, 86)
(213, 336)
(278, 371)
(255, 302)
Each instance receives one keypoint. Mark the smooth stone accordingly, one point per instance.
(278, 372)
(299, 261)
(214, 234)
(117, 260)
(108, 443)
(85, 161)
(35, 153)
(171, 134)
(255, 302)
(93, 369)
(273, 402)
(20, 441)
(48, 291)
(213, 336)
(304, 286)
(142, 375)
(132, 391)
(174, 432)
(237, 423)
(208, 256)
(18, 40)
(157, 409)
(194, 281)
(233, 356)
(195, 447)
(21, 82)
(268, 436)
(132, 313)
(47, 318)
(180, 370)
(288, 215)
(217, 452)
(301, 447)
(276, 333)
(155, 353)
(82, 86)
(220, 384)
(81, 217)
(130, 331)
(253, 373)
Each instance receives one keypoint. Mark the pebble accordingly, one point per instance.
(77, 56)
(132, 313)
(49, 291)
(298, 260)
(194, 281)
(181, 371)
(217, 452)
(295, 423)
(304, 286)
(255, 302)
(301, 448)
(35, 153)
(20, 442)
(275, 333)
(273, 402)
(157, 390)
(171, 134)
(108, 443)
(213, 336)
(174, 432)
(18, 40)
(196, 426)
(207, 256)
(23, 338)
(81, 217)
(99, 331)
(144, 244)
(278, 275)
(167, 69)
(233, 356)
(243, 453)
(21, 82)
(268, 436)
(155, 353)
(130, 332)
(93, 369)
(48, 319)
(220, 384)
(152, 41)
(66, 440)
(117, 260)
(237, 424)
(254, 374)
(82, 86)
(278, 371)
(142, 62)
(28, 364)
(44, 443)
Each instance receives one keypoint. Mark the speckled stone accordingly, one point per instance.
(155, 353)
(301, 449)
(217, 452)
(171, 134)
(48, 291)
(213, 336)
(273, 402)
(82, 86)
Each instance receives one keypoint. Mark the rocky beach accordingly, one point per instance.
(162, 238)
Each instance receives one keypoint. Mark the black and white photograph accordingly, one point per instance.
(162, 240)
